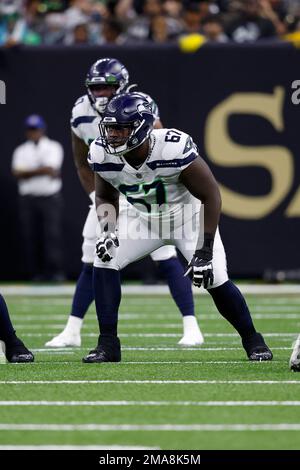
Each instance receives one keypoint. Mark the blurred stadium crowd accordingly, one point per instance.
(98, 22)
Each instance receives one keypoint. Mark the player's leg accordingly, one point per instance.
(13, 348)
(232, 305)
(230, 302)
(295, 357)
(82, 299)
(107, 291)
(181, 290)
(84, 293)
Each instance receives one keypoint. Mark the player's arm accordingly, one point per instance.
(107, 207)
(80, 153)
(107, 204)
(46, 168)
(199, 180)
(41, 171)
(201, 183)
(155, 110)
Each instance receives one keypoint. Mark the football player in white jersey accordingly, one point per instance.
(106, 78)
(164, 179)
(295, 356)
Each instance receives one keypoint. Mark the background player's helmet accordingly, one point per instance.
(131, 111)
(106, 72)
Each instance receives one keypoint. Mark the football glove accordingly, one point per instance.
(202, 268)
(106, 246)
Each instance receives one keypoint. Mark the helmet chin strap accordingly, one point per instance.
(119, 150)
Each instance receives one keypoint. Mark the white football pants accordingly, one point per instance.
(90, 237)
(133, 248)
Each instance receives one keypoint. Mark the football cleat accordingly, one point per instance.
(192, 335)
(65, 340)
(16, 352)
(256, 348)
(295, 357)
(107, 350)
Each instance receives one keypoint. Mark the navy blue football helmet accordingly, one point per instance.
(106, 72)
(130, 111)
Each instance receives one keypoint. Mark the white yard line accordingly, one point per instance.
(275, 316)
(149, 403)
(250, 363)
(150, 427)
(56, 290)
(125, 323)
(203, 316)
(40, 326)
(25, 304)
(157, 382)
(206, 312)
(144, 348)
(275, 308)
(284, 336)
(58, 350)
(69, 351)
(199, 348)
(233, 342)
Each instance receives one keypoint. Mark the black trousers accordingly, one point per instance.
(41, 219)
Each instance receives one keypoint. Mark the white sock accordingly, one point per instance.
(73, 325)
(190, 324)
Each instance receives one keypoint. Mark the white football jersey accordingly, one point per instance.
(85, 120)
(154, 188)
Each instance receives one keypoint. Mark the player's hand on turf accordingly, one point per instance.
(106, 246)
(202, 268)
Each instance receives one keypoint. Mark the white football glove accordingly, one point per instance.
(106, 246)
(201, 265)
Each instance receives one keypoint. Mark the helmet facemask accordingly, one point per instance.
(126, 124)
(99, 103)
(119, 144)
(109, 80)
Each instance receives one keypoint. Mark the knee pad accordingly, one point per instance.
(163, 253)
(88, 250)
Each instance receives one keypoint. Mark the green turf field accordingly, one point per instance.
(159, 396)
